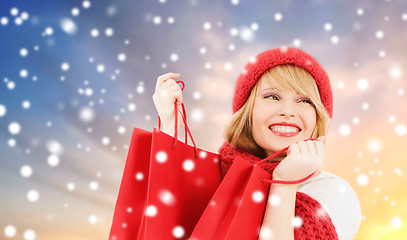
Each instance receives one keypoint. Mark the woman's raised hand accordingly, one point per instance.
(303, 158)
(167, 91)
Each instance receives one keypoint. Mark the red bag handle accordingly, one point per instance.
(284, 181)
(184, 118)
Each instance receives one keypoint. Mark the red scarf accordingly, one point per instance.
(316, 223)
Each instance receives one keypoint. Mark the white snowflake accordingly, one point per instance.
(23, 52)
(188, 165)
(166, 197)
(161, 157)
(362, 84)
(296, 221)
(86, 4)
(363, 179)
(29, 235)
(68, 26)
(33, 195)
(278, 17)
(10, 231)
(121, 57)
(151, 211)
(26, 171)
(396, 222)
(14, 128)
(75, 11)
(93, 219)
(53, 160)
(344, 129)
(257, 196)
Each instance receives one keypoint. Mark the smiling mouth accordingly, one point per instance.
(284, 130)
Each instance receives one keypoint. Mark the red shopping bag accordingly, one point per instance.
(236, 209)
(165, 188)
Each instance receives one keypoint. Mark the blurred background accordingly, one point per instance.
(76, 76)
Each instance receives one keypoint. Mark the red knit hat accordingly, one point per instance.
(280, 56)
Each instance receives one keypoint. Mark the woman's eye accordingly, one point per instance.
(306, 101)
(273, 97)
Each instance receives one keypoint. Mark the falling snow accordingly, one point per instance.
(53, 160)
(71, 186)
(23, 52)
(30, 235)
(23, 73)
(278, 17)
(26, 104)
(93, 219)
(297, 221)
(93, 185)
(75, 12)
(139, 176)
(122, 57)
(257, 196)
(396, 222)
(94, 32)
(14, 128)
(363, 84)
(10, 231)
(151, 211)
(188, 165)
(109, 32)
(26, 171)
(86, 4)
(86, 114)
(178, 232)
(363, 179)
(33, 195)
(68, 26)
(65, 66)
(274, 200)
(166, 197)
(161, 157)
(345, 129)
(76, 83)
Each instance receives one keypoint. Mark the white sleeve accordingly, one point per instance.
(339, 200)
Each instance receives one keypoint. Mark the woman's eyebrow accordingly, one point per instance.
(301, 95)
(268, 88)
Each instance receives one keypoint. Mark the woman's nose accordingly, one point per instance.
(287, 110)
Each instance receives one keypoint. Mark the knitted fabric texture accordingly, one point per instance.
(279, 56)
(316, 223)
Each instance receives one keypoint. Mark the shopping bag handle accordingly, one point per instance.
(184, 119)
(176, 117)
(284, 181)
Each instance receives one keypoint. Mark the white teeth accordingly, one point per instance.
(284, 129)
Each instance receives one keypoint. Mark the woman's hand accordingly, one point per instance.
(167, 91)
(303, 158)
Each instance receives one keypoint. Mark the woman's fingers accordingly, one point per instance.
(319, 146)
(178, 96)
(294, 149)
(303, 147)
(170, 85)
(170, 89)
(311, 147)
(163, 78)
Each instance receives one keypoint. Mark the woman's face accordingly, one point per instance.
(281, 118)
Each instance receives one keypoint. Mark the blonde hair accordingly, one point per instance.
(238, 132)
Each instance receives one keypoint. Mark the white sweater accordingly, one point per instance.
(339, 200)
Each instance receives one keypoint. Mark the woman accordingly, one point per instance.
(281, 99)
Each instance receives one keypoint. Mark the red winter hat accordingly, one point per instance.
(280, 56)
